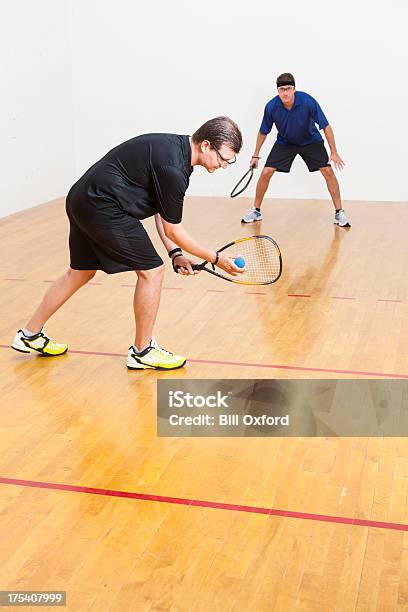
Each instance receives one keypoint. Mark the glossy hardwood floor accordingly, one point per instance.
(82, 420)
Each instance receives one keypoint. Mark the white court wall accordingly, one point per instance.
(168, 66)
(36, 120)
(80, 77)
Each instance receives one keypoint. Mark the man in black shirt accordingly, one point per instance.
(145, 176)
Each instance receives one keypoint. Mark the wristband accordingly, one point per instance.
(174, 251)
(256, 157)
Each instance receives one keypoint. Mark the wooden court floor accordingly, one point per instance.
(78, 430)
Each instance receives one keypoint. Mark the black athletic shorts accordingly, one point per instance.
(120, 246)
(282, 155)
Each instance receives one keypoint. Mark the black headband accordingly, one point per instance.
(285, 82)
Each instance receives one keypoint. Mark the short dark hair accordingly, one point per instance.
(285, 79)
(220, 131)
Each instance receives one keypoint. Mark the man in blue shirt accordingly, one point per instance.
(295, 115)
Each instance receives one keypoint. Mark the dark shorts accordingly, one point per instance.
(282, 155)
(120, 246)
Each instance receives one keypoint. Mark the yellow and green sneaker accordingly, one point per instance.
(154, 357)
(40, 343)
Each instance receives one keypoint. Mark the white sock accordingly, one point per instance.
(28, 332)
(143, 349)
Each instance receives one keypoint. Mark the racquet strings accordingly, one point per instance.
(262, 260)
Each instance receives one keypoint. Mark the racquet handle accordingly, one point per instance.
(199, 266)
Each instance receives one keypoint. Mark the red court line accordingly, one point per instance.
(334, 297)
(398, 301)
(300, 368)
(171, 288)
(342, 297)
(206, 504)
(254, 365)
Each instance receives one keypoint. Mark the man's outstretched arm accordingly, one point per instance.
(260, 139)
(334, 156)
(177, 234)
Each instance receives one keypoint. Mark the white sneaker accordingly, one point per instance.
(40, 343)
(251, 216)
(154, 357)
(341, 220)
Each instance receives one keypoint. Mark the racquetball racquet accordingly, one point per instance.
(242, 183)
(263, 261)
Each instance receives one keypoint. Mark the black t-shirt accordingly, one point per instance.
(143, 176)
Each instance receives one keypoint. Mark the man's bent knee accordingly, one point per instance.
(155, 274)
(267, 172)
(82, 276)
(327, 172)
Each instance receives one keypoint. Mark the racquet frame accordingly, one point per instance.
(211, 270)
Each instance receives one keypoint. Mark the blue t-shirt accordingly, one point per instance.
(297, 126)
